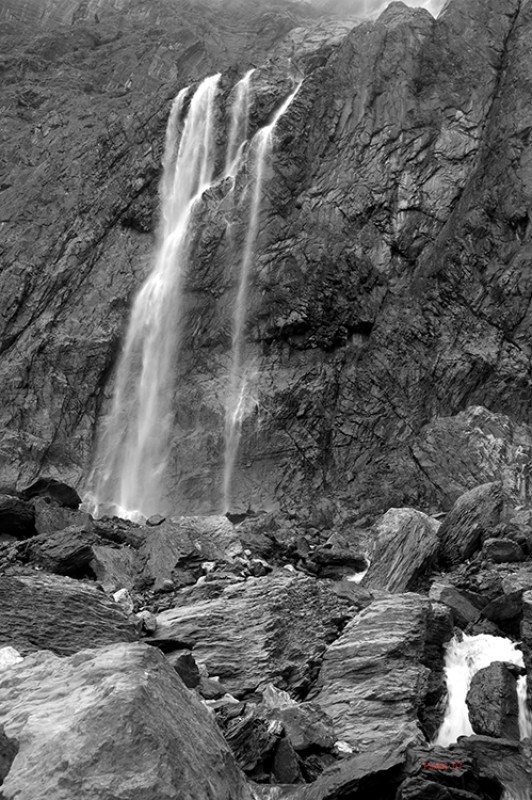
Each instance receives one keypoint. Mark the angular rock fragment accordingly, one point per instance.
(111, 722)
(502, 551)
(48, 612)
(472, 517)
(404, 548)
(66, 552)
(50, 516)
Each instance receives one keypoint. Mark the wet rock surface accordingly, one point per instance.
(492, 702)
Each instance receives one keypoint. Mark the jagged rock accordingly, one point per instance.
(115, 568)
(405, 547)
(266, 629)
(17, 517)
(286, 767)
(184, 664)
(307, 727)
(250, 737)
(336, 558)
(526, 637)
(464, 611)
(380, 768)
(372, 681)
(501, 551)
(175, 549)
(128, 728)
(501, 761)
(48, 612)
(470, 519)
(55, 490)
(492, 702)
(67, 552)
(50, 516)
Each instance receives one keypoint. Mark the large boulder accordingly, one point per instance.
(372, 682)
(471, 518)
(492, 702)
(48, 612)
(111, 722)
(405, 546)
(274, 628)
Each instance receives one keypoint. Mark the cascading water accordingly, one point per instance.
(238, 129)
(241, 373)
(133, 446)
(463, 659)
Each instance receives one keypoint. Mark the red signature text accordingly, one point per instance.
(442, 766)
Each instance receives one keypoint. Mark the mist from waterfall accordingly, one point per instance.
(135, 439)
(464, 658)
(242, 372)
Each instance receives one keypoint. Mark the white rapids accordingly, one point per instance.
(463, 659)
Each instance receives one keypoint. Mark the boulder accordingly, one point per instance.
(273, 628)
(111, 722)
(175, 549)
(48, 612)
(51, 516)
(115, 567)
(55, 490)
(501, 551)
(464, 611)
(338, 557)
(372, 682)
(473, 515)
(286, 768)
(526, 639)
(66, 552)
(17, 517)
(404, 549)
(184, 664)
(307, 727)
(492, 702)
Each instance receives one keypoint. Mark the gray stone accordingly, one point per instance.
(502, 551)
(492, 702)
(405, 547)
(464, 611)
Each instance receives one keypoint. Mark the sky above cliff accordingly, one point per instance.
(372, 7)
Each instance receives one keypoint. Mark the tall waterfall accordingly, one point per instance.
(134, 443)
(241, 372)
(463, 659)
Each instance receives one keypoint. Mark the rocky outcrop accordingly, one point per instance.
(113, 721)
(405, 547)
(47, 612)
(492, 702)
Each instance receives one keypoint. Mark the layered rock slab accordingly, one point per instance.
(372, 680)
(113, 722)
(48, 612)
(266, 629)
(405, 546)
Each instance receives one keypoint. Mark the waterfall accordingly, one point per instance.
(134, 443)
(238, 129)
(463, 659)
(241, 375)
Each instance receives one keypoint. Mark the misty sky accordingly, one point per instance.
(374, 7)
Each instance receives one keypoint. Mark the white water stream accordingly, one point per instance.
(463, 659)
(242, 372)
(135, 439)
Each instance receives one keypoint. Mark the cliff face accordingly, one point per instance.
(391, 285)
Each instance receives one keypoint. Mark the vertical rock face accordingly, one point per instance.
(391, 282)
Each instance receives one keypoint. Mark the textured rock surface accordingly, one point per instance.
(58, 614)
(113, 722)
(267, 629)
(471, 518)
(406, 544)
(492, 702)
(391, 285)
(372, 679)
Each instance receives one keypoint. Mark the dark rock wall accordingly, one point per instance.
(391, 285)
